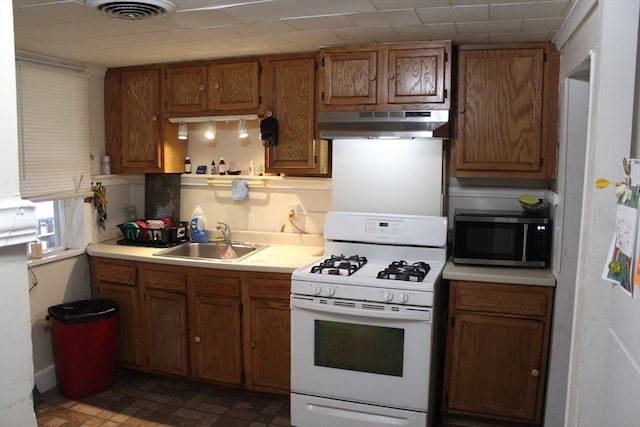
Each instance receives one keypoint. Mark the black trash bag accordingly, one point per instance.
(269, 131)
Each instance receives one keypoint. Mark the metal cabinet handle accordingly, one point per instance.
(197, 339)
(201, 88)
(392, 76)
(154, 118)
(216, 85)
(535, 373)
(372, 77)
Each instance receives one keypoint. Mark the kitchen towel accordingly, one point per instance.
(240, 189)
(269, 131)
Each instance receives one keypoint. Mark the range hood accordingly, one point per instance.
(384, 124)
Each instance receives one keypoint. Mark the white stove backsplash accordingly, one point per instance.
(402, 176)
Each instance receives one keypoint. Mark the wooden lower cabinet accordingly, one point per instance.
(221, 326)
(116, 281)
(496, 356)
(214, 328)
(267, 332)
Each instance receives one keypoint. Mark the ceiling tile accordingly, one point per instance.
(546, 9)
(382, 19)
(326, 22)
(439, 15)
(490, 27)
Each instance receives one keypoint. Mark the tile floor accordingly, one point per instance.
(146, 400)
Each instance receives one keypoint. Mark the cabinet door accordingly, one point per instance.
(216, 339)
(186, 89)
(417, 76)
(268, 338)
(141, 126)
(506, 113)
(495, 366)
(167, 331)
(129, 351)
(234, 86)
(350, 77)
(291, 90)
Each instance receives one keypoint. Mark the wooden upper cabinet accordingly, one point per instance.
(418, 76)
(386, 77)
(186, 88)
(218, 87)
(136, 137)
(350, 76)
(507, 111)
(235, 86)
(290, 86)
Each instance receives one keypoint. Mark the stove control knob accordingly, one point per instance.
(387, 296)
(315, 289)
(404, 297)
(331, 291)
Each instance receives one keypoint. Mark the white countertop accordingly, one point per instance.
(509, 275)
(285, 253)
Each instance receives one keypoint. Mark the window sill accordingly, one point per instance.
(53, 256)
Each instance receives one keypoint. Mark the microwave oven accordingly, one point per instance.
(501, 238)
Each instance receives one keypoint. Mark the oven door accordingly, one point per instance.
(370, 353)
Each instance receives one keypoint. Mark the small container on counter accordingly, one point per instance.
(214, 170)
(106, 165)
(187, 165)
(222, 166)
(252, 168)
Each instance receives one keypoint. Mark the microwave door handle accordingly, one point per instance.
(305, 304)
(524, 242)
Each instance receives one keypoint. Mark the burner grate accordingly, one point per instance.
(401, 270)
(340, 265)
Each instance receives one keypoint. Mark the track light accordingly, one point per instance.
(211, 130)
(183, 130)
(242, 130)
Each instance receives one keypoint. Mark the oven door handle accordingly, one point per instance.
(406, 313)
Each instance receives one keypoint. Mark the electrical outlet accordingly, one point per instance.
(292, 211)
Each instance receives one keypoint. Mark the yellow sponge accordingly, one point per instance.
(529, 200)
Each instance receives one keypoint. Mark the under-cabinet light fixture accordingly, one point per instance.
(183, 130)
(242, 129)
(210, 133)
(204, 119)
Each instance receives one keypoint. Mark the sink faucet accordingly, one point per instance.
(226, 231)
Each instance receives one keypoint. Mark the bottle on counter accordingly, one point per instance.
(187, 165)
(198, 226)
(106, 165)
(222, 166)
(252, 168)
(214, 170)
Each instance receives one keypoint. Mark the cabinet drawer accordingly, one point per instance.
(115, 273)
(500, 298)
(217, 285)
(169, 280)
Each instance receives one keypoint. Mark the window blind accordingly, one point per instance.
(53, 129)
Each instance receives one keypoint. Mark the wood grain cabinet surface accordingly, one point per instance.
(220, 326)
(496, 352)
(397, 76)
(116, 280)
(267, 332)
(507, 111)
(213, 87)
(290, 87)
(136, 137)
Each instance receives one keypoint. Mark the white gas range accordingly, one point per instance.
(365, 322)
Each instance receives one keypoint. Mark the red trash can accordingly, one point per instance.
(83, 335)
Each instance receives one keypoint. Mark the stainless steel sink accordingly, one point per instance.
(212, 250)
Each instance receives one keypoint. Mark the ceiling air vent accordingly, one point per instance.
(132, 9)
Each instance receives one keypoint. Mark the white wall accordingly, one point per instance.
(16, 369)
(608, 33)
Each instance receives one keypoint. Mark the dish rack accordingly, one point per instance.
(137, 233)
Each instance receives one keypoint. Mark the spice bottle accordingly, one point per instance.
(252, 168)
(213, 167)
(187, 165)
(106, 165)
(222, 166)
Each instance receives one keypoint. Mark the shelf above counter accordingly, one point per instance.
(256, 181)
